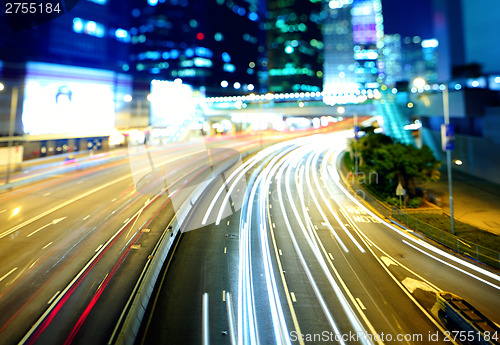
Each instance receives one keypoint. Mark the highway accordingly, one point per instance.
(297, 258)
(75, 236)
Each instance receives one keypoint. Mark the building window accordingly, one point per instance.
(88, 27)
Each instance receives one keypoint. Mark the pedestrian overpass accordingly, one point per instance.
(240, 109)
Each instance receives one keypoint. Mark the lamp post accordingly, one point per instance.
(447, 138)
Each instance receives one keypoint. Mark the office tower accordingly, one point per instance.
(294, 45)
(217, 45)
(368, 32)
(339, 66)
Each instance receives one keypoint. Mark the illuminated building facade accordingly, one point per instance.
(353, 36)
(217, 45)
(82, 51)
(409, 58)
(294, 45)
(339, 67)
(368, 33)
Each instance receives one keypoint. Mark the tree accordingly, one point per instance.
(368, 143)
(401, 163)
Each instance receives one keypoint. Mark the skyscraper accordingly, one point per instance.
(353, 33)
(217, 45)
(294, 45)
(339, 67)
(368, 33)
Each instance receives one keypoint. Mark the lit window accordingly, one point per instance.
(218, 37)
(122, 35)
(226, 57)
(229, 67)
(78, 25)
(88, 27)
(152, 2)
(253, 16)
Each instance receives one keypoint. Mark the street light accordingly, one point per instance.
(419, 83)
(448, 148)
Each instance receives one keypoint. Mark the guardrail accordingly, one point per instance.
(462, 246)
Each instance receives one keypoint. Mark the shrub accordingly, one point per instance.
(415, 202)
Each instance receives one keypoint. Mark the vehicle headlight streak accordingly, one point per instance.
(347, 308)
(279, 323)
(327, 202)
(336, 179)
(247, 325)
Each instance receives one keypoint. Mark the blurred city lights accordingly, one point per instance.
(419, 83)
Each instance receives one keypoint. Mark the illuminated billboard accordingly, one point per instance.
(172, 103)
(66, 99)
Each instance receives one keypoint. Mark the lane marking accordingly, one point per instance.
(6, 275)
(47, 245)
(227, 222)
(225, 250)
(34, 262)
(205, 335)
(412, 284)
(86, 217)
(388, 261)
(331, 256)
(2, 211)
(274, 226)
(47, 194)
(64, 204)
(126, 220)
(361, 305)
(281, 253)
(55, 221)
(223, 295)
(100, 246)
(53, 297)
(292, 295)
(114, 200)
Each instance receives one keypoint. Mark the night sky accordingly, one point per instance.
(408, 18)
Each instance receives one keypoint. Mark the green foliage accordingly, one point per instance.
(395, 163)
(392, 200)
(415, 202)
